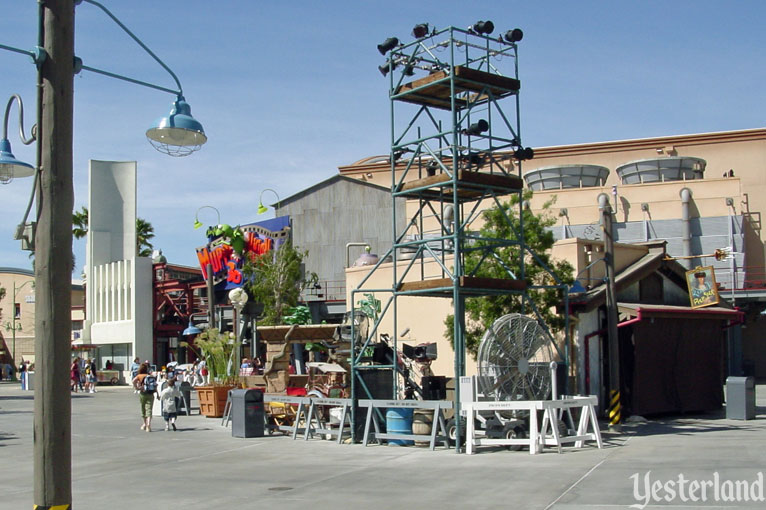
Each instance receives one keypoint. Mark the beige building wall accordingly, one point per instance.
(24, 280)
(24, 320)
(742, 153)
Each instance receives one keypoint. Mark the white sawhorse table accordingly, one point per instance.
(553, 413)
(538, 437)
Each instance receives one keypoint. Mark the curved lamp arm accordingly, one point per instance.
(33, 132)
(198, 223)
(262, 208)
(178, 92)
(13, 167)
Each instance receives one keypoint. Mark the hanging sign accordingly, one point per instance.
(703, 290)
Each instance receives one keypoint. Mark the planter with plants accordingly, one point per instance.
(217, 349)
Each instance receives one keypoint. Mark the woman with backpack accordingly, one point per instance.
(146, 385)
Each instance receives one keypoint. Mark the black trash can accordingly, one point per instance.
(185, 388)
(247, 414)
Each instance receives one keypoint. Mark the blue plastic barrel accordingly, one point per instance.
(399, 421)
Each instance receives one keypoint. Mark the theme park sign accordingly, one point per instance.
(703, 290)
(228, 248)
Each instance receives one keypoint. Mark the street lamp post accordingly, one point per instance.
(209, 267)
(177, 134)
(238, 298)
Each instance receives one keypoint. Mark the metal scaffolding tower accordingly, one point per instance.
(455, 151)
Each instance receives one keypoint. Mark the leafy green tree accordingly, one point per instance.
(144, 231)
(481, 312)
(297, 315)
(275, 280)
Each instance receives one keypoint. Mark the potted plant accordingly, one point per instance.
(217, 349)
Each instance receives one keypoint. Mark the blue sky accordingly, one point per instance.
(289, 91)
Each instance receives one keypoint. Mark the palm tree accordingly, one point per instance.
(144, 231)
(80, 223)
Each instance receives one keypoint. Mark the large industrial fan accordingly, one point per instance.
(514, 360)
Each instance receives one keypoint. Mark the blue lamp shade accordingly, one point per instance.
(191, 330)
(178, 134)
(10, 167)
(577, 288)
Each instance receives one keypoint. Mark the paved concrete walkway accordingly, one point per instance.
(117, 466)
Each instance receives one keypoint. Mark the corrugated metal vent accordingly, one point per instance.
(674, 168)
(566, 176)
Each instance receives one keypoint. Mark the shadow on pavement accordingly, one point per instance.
(690, 424)
(17, 397)
(6, 437)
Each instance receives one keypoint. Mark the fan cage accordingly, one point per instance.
(514, 360)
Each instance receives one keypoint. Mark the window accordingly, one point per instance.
(17, 310)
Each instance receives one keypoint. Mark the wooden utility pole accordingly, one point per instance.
(53, 263)
(614, 407)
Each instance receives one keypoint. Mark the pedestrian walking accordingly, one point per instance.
(74, 374)
(82, 364)
(146, 386)
(90, 373)
(23, 375)
(169, 399)
(134, 370)
(204, 372)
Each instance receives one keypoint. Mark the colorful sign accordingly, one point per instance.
(703, 290)
(227, 252)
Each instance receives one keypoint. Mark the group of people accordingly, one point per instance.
(7, 371)
(197, 374)
(148, 387)
(251, 366)
(83, 375)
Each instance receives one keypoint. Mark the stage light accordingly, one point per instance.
(476, 128)
(483, 27)
(421, 353)
(409, 70)
(475, 159)
(388, 45)
(420, 30)
(385, 68)
(522, 154)
(514, 35)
